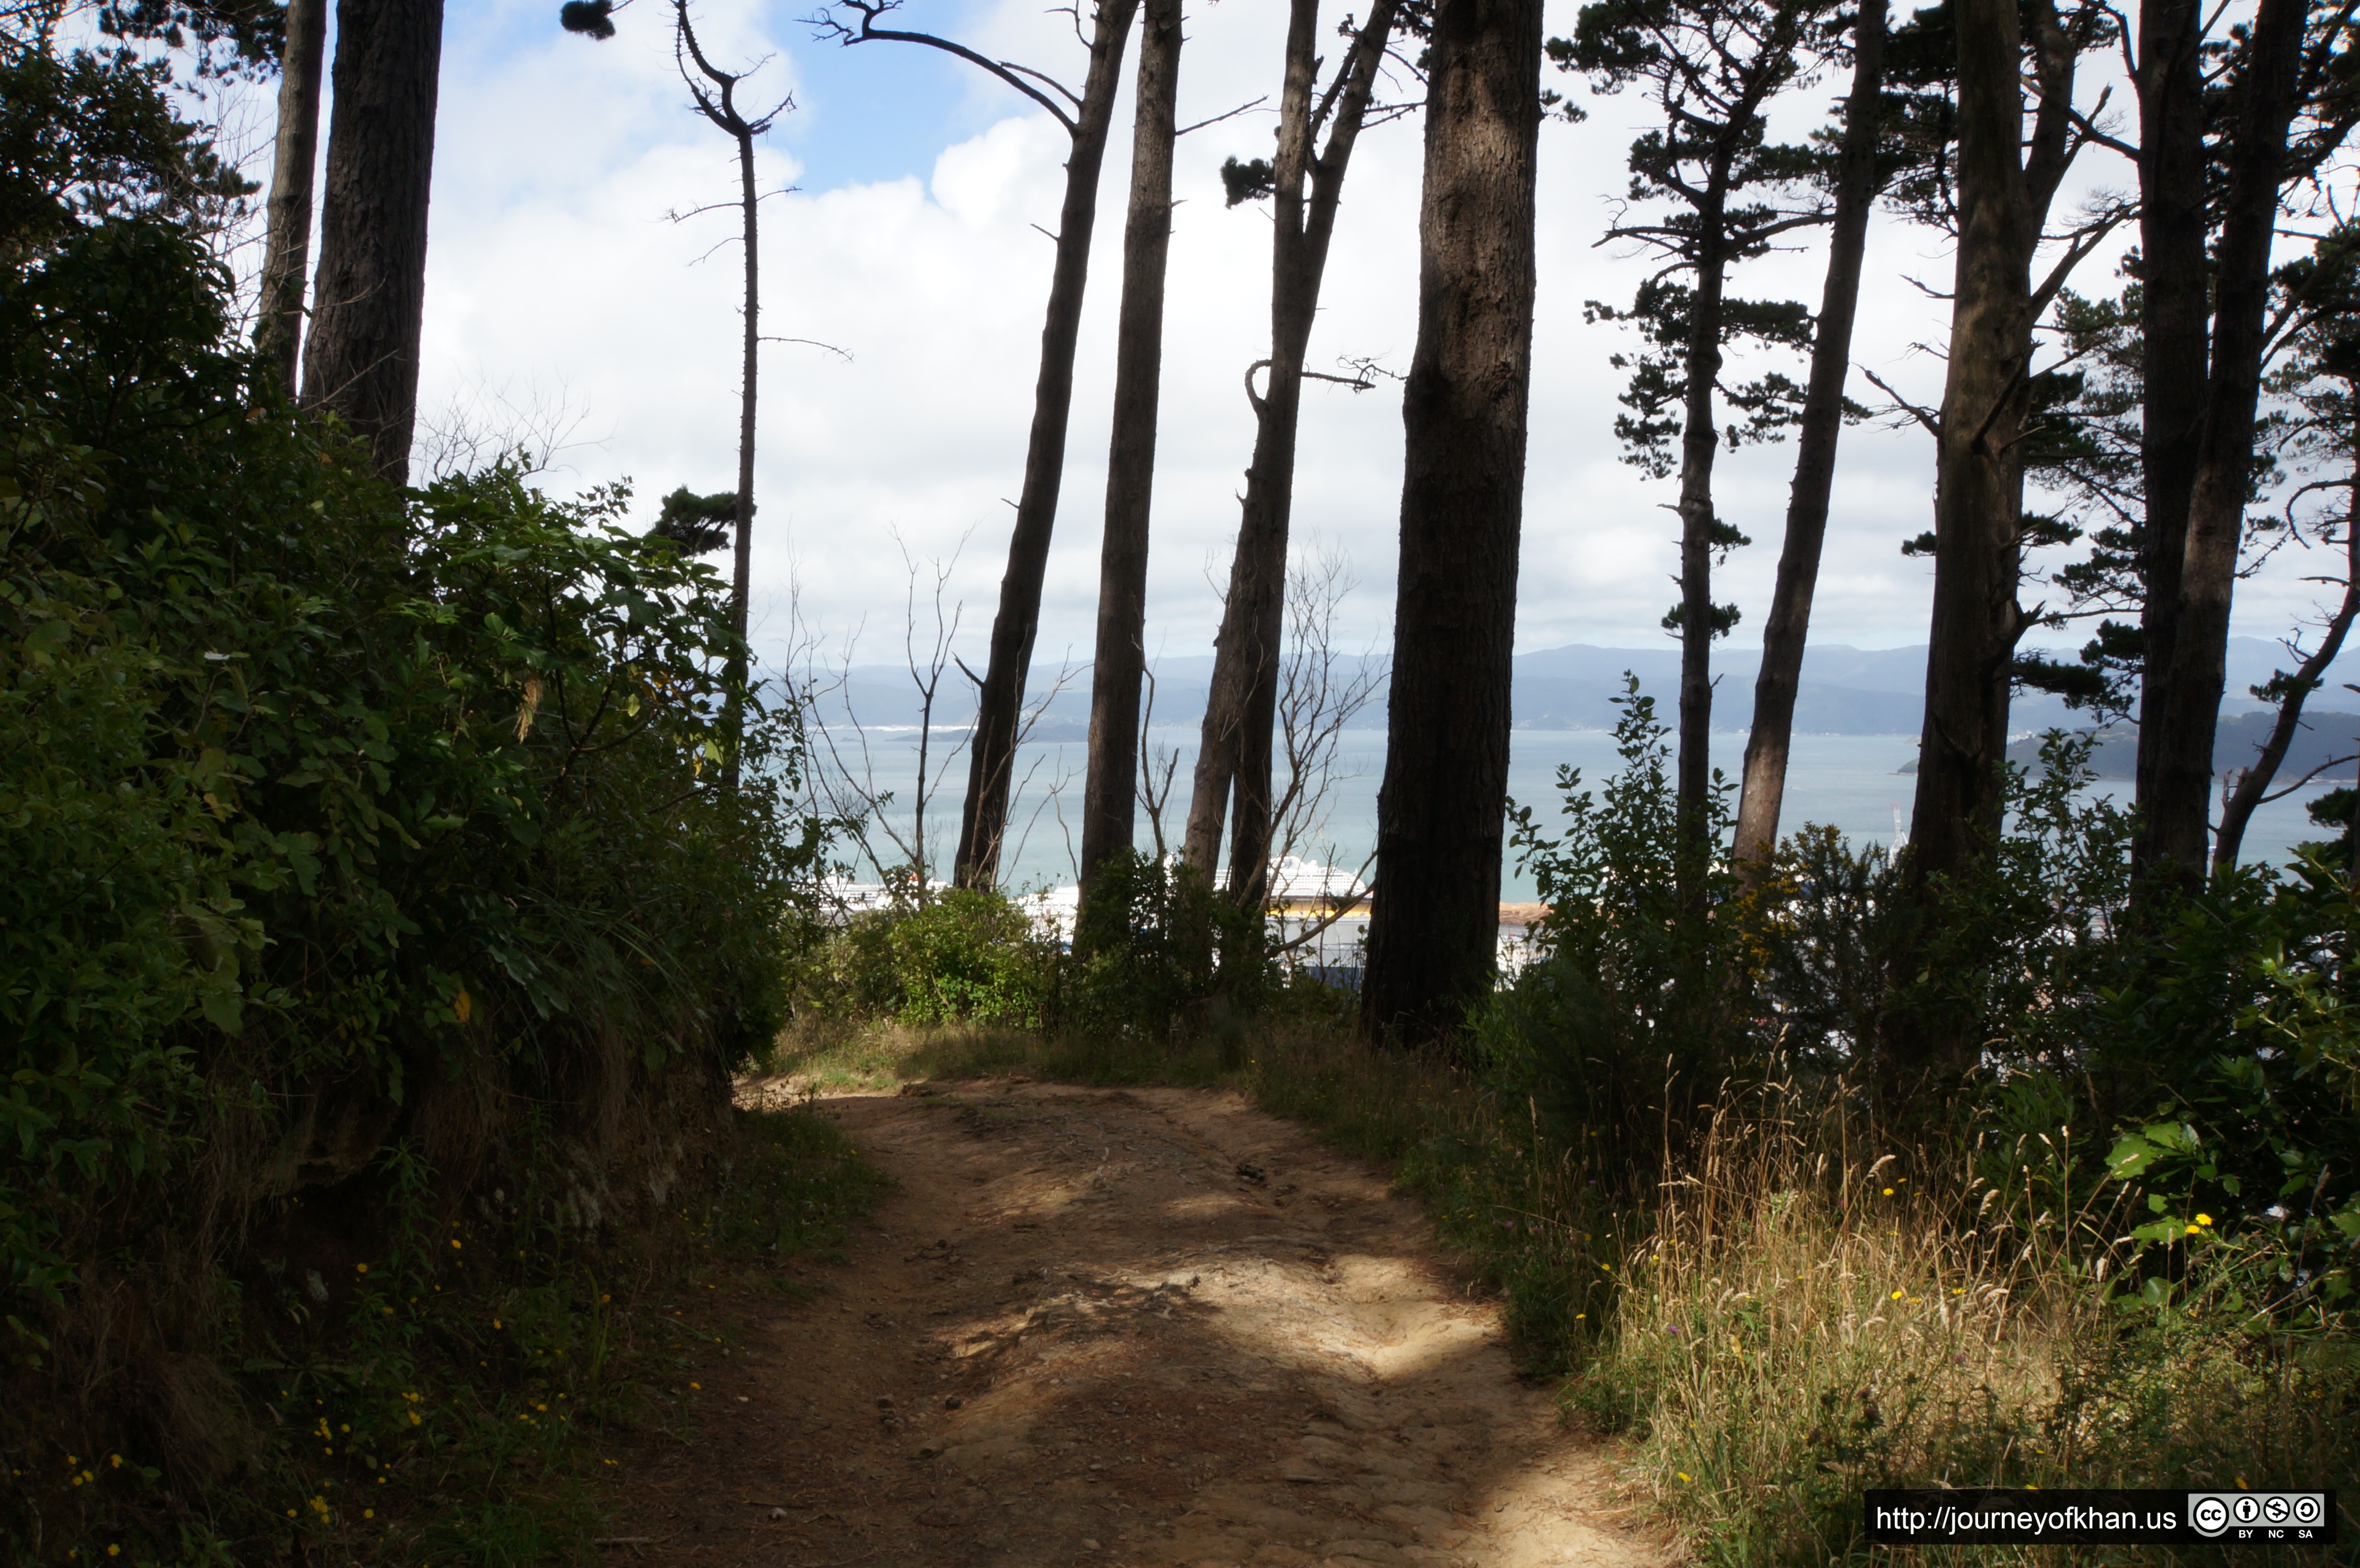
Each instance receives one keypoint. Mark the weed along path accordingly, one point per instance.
(1146, 1326)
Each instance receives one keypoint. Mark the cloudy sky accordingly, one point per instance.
(903, 233)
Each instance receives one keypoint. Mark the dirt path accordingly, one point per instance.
(1124, 1327)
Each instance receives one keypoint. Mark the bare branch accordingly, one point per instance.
(1219, 119)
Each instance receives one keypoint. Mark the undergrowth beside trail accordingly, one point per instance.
(1796, 1314)
(451, 1400)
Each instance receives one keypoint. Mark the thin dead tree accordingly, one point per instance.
(1085, 117)
(1305, 185)
(1158, 765)
(845, 787)
(849, 783)
(287, 258)
(1320, 693)
(715, 92)
(1119, 661)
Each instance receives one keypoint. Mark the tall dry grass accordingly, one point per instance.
(1814, 1315)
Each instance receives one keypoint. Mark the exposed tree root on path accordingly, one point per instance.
(1147, 1326)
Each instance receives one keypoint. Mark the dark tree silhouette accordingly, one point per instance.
(1434, 932)
(2276, 75)
(1118, 667)
(368, 300)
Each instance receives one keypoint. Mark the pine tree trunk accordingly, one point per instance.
(368, 301)
(287, 256)
(1699, 440)
(2173, 274)
(2181, 726)
(1979, 489)
(1433, 934)
(1111, 787)
(1234, 744)
(1786, 632)
(1000, 705)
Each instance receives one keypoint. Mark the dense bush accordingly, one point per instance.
(1632, 1012)
(1157, 950)
(963, 956)
(339, 822)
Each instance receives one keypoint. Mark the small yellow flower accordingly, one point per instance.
(1897, 1295)
(1682, 1475)
(115, 1460)
(360, 1267)
(1888, 1191)
(698, 1386)
(2191, 1230)
(368, 1513)
(454, 1242)
(2204, 1219)
(114, 1550)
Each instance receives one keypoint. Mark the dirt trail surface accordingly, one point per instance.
(1147, 1326)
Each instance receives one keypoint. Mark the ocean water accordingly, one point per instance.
(1849, 782)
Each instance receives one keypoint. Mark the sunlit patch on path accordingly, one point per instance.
(1142, 1327)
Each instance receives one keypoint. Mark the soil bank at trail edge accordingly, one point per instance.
(1145, 1326)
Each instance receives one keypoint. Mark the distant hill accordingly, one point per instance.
(2324, 740)
(1845, 691)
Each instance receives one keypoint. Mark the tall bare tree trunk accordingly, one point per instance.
(1434, 934)
(1786, 632)
(1111, 787)
(2173, 276)
(368, 301)
(1979, 484)
(2181, 729)
(1700, 441)
(991, 753)
(1234, 748)
(715, 92)
(741, 567)
(286, 259)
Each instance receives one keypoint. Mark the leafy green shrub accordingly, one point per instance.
(965, 955)
(1157, 952)
(1630, 1017)
(333, 819)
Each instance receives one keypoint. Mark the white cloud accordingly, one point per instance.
(551, 263)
